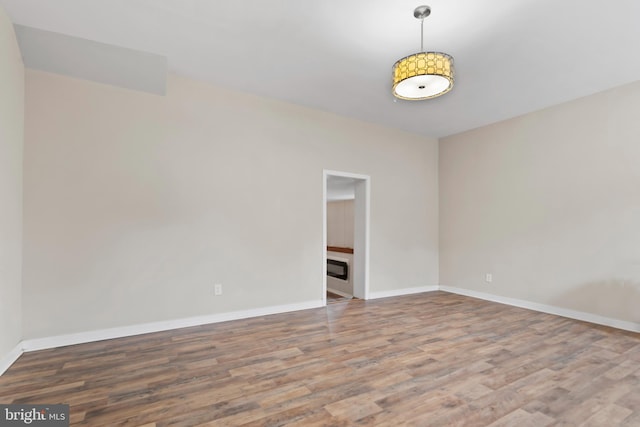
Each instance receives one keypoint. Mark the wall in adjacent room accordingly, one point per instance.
(340, 223)
(549, 204)
(340, 233)
(136, 204)
(11, 145)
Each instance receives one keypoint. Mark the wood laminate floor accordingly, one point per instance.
(432, 359)
(331, 298)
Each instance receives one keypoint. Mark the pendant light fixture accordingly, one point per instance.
(423, 75)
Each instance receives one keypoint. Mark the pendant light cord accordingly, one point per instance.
(422, 35)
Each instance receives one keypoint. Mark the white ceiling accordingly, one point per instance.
(511, 56)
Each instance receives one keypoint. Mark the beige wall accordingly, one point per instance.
(135, 204)
(340, 223)
(549, 203)
(11, 145)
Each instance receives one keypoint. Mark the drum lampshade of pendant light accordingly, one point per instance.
(423, 75)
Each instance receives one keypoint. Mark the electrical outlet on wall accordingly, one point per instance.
(217, 289)
(488, 277)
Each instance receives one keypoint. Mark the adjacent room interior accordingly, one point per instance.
(218, 213)
(340, 238)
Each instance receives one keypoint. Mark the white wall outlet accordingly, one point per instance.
(488, 277)
(217, 289)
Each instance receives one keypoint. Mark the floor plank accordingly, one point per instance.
(429, 359)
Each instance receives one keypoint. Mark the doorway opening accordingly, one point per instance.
(345, 236)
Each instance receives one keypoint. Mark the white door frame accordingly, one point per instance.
(361, 233)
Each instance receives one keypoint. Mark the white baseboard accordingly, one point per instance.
(145, 328)
(10, 358)
(400, 292)
(337, 292)
(544, 308)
